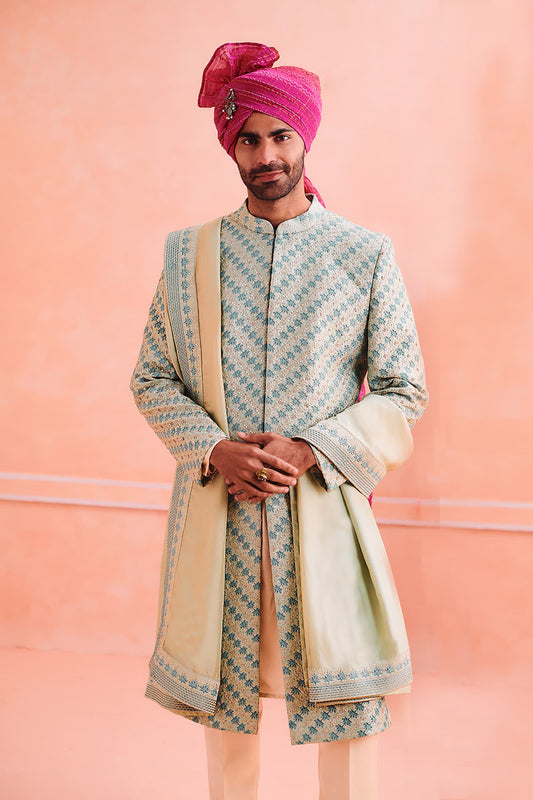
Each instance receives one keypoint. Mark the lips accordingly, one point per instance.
(265, 177)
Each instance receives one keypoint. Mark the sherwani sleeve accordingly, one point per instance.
(369, 438)
(183, 426)
(325, 472)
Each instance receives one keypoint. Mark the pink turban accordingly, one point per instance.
(240, 79)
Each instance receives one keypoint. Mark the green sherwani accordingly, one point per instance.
(307, 311)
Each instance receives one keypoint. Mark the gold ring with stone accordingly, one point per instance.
(262, 475)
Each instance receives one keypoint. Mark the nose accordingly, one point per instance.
(265, 152)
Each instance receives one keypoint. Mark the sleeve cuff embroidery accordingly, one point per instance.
(325, 472)
(357, 465)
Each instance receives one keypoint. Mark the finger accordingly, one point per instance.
(266, 488)
(240, 492)
(252, 495)
(262, 489)
(241, 497)
(275, 488)
(278, 463)
(257, 438)
(252, 498)
(247, 492)
(274, 476)
(278, 479)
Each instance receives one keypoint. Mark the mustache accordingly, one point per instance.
(271, 167)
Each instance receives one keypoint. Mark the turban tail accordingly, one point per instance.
(240, 79)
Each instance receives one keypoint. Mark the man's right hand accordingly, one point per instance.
(239, 463)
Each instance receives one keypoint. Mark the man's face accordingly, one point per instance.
(270, 156)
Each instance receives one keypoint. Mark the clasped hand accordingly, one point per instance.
(284, 460)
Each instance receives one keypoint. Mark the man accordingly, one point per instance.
(274, 580)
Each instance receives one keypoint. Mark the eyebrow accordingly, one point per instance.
(252, 135)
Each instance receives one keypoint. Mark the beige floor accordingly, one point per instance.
(76, 727)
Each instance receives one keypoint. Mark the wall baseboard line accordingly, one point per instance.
(413, 518)
(80, 501)
(149, 485)
(37, 478)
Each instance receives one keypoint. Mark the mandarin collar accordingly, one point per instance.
(295, 225)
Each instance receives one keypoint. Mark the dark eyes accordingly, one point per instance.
(282, 137)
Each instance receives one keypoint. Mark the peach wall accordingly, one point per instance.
(426, 135)
(84, 580)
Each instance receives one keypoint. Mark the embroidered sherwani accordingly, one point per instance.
(307, 310)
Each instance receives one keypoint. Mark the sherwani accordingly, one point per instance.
(307, 311)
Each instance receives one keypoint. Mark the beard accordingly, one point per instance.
(273, 190)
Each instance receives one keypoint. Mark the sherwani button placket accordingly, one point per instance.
(270, 529)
